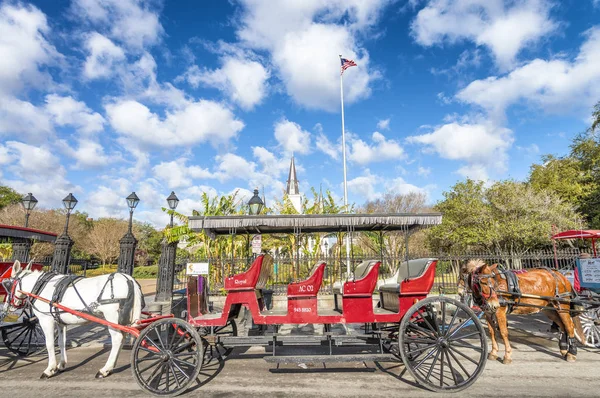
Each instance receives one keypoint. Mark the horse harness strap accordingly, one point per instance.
(60, 288)
(125, 304)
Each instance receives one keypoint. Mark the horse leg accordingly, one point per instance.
(62, 343)
(490, 322)
(47, 325)
(563, 344)
(569, 329)
(116, 340)
(503, 326)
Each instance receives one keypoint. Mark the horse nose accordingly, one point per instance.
(493, 304)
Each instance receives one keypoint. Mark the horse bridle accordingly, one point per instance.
(11, 285)
(475, 284)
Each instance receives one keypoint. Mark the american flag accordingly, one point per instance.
(346, 63)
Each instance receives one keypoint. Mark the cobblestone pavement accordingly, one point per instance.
(537, 371)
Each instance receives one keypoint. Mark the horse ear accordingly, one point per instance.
(16, 268)
(28, 268)
(494, 266)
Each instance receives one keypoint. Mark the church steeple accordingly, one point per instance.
(292, 182)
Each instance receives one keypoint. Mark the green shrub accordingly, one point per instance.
(109, 269)
(146, 272)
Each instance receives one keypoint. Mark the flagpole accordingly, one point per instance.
(344, 162)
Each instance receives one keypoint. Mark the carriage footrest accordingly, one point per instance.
(332, 358)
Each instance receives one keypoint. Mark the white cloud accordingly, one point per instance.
(304, 40)
(91, 154)
(424, 171)
(482, 145)
(271, 164)
(243, 81)
(197, 122)
(292, 137)
(68, 111)
(327, 147)
(24, 47)
(365, 186)
(177, 174)
(132, 22)
(36, 169)
(23, 119)
(505, 27)
(383, 124)
(103, 57)
(381, 150)
(399, 186)
(232, 166)
(557, 85)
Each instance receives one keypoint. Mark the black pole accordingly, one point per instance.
(128, 244)
(62, 250)
(166, 276)
(27, 219)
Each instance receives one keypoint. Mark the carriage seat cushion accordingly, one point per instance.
(412, 270)
(363, 286)
(255, 277)
(360, 272)
(309, 287)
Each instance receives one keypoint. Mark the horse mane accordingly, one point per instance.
(473, 265)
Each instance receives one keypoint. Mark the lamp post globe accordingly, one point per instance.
(29, 202)
(172, 201)
(132, 201)
(69, 202)
(255, 204)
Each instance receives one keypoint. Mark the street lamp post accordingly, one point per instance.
(166, 263)
(255, 204)
(128, 242)
(64, 243)
(21, 247)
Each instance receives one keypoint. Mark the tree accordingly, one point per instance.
(393, 244)
(103, 239)
(510, 217)
(595, 117)
(149, 239)
(563, 176)
(8, 196)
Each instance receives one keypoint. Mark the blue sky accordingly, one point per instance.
(100, 98)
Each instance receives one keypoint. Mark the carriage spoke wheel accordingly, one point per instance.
(590, 321)
(442, 344)
(217, 349)
(26, 337)
(167, 357)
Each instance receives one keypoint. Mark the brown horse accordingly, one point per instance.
(490, 289)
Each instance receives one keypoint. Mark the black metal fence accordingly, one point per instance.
(290, 269)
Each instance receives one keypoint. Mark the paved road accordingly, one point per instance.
(537, 371)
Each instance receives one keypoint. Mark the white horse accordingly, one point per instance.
(88, 290)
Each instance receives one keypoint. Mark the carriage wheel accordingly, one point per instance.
(26, 337)
(229, 330)
(167, 357)
(442, 344)
(590, 321)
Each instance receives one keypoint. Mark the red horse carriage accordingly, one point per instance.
(440, 340)
(21, 332)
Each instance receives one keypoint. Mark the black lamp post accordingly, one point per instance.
(128, 242)
(166, 264)
(255, 204)
(21, 247)
(64, 243)
(29, 202)
(326, 248)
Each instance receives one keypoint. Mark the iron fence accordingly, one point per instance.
(290, 269)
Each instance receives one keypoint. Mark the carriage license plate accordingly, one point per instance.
(11, 318)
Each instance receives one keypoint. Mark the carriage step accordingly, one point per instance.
(332, 358)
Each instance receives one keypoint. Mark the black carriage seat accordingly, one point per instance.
(361, 271)
(408, 270)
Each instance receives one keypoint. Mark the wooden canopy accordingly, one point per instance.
(11, 231)
(225, 225)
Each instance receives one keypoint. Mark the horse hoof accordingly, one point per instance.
(99, 375)
(507, 361)
(44, 376)
(492, 357)
(563, 352)
(570, 357)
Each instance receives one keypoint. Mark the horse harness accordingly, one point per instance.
(69, 281)
(513, 288)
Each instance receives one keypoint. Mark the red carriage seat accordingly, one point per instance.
(414, 277)
(309, 287)
(364, 282)
(255, 277)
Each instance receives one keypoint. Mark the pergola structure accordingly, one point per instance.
(22, 239)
